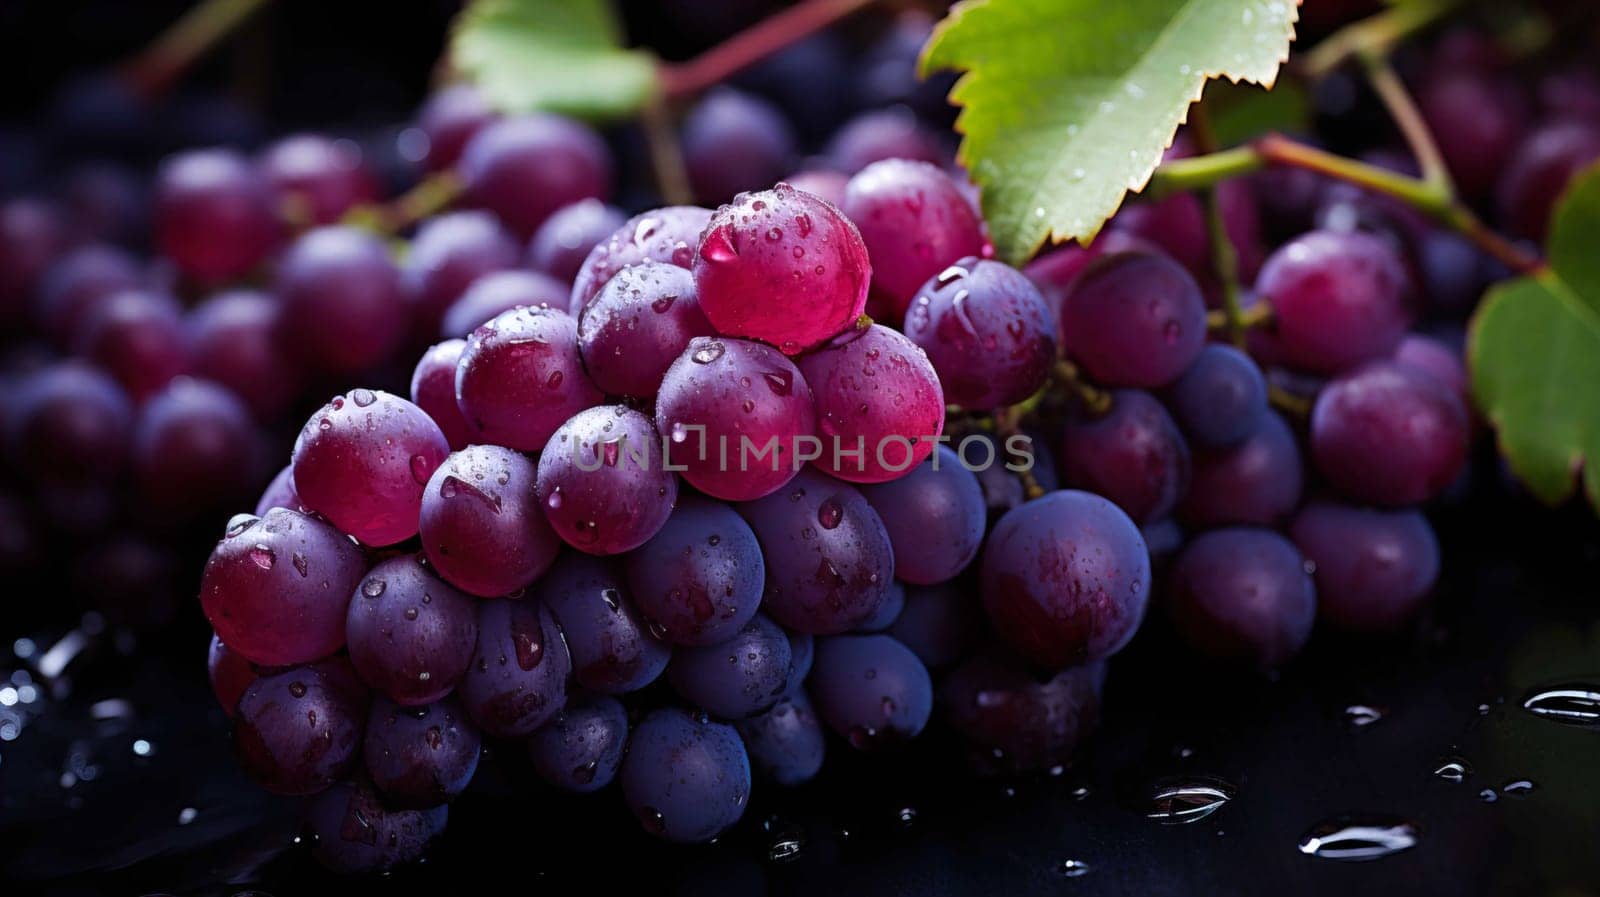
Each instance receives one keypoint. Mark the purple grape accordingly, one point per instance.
(322, 178)
(233, 341)
(195, 450)
(230, 674)
(686, 779)
(733, 142)
(667, 235)
(1539, 171)
(566, 238)
(1243, 595)
(1021, 723)
(1374, 569)
(69, 422)
(935, 518)
(518, 679)
(938, 623)
(871, 690)
(299, 731)
(280, 493)
(449, 119)
(32, 235)
(987, 331)
(738, 678)
(1389, 435)
(1433, 357)
(1256, 482)
(137, 337)
(363, 462)
(822, 183)
(482, 526)
(76, 283)
(276, 587)
(602, 481)
(876, 397)
(1177, 227)
(448, 255)
(637, 325)
(829, 559)
(915, 223)
(1452, 271)
(735, 413)
(879, 135)
(523, 169)
(1338, 299)
(1217, 401)
(1477, 119)
(495, 294)
(422, 756)
(581, 749)
(785, 743)
(521, 378)
(355, 831)
(215, 215)
(1134, 319)
(1133, 454)
(433, 389)
(893, 603)
(698, 581)
(342, 308)
(1164, 539)
(411, 635)
(802, 654)
(1066, 579)
(1002, 487)
(613, 651)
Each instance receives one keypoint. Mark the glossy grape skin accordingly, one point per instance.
(637, 325)
(1437, 359)
(987, 331)
(581, 749)
(732, 142)
(78, 281)
(699, 580)
(449, 118)
(195, 450)
(1133, 455)
(482, 526)
(566, 238)
(1258, 481)
(299, 731)
(687, 780)
(738, 678)
(33, 234)
(668, 235)
(420, 756)
(137, 337)
(230, 675)
(829, 559)
(520, 378)
(1374, 569)
(1539, 171)
(1389, 435)
(737, 391)
(261, 604)
(894, 601)
(1338, 299)
(1065, 579)
(449, 254)
(1217, 401)
(523, 169)
(495, 294)
(934, 517)
(613, 650)
(355, 831)
(280, 493)
(938, 623)
(602, 481)
(1134, 319)
(363, 461)
(785, 743)
(215, 215)
(517, 680)
(882, 134)
(343, 311)
(233, 341)
(1177, 226)
(1242, 595)
(1477, 119)
(915, 223)
(871, 690)
(323, 178)
(874, 389)
(1019, 722)
(411, 634)
(433, 389)
(69, 422)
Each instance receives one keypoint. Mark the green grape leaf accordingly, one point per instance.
(561, 56)
(1535, 357)
(1068, 104)
(1241, 112)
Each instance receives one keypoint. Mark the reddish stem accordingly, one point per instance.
(684, 79)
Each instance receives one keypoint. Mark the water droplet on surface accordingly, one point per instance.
(263, 557)
(362, 397)
(1183, 801)
(708, 353)
(1362, 715)
(1575, 704)
(1354, 839)
(1072, 868)
(1453, 769)
(421, 469)
(830, 513)
(1518, 788)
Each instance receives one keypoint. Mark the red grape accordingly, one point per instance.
(411, 635)
(637, 325)
(733, 142)
(1133, 454)
(1338, 299)
(482, 525)
(495, 294)
(433, 389)
(1134, 319)
(1389, 435)
(233, 341)
(342, 308)
(601, 478)
(566, 238)
(668, 235)
(449, 254)
(323, 178)
(521, 378)
(525, 168)
(299, 731)
(216, 217)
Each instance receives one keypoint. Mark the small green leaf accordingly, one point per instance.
(1068, 104)
(1535, 355)
(561, 56)
(1241, 112)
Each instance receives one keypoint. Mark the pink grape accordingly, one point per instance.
(433, 389)
(1337, 299)
(495, 294)
(915, 223)
(520, 378)
(637, 325)
(1389, 435)
(525, 168)
(342, 307)
(668, 235)
(602, 481)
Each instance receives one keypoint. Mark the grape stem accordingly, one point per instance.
(1095, 399)
(1408, 118)
(1008, 423)
(666, 156)
(1287, 402)
(678, 80)
(186, 40)
(1258, 315)
(1376, 33)
(1224, 256)
(432, 195)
